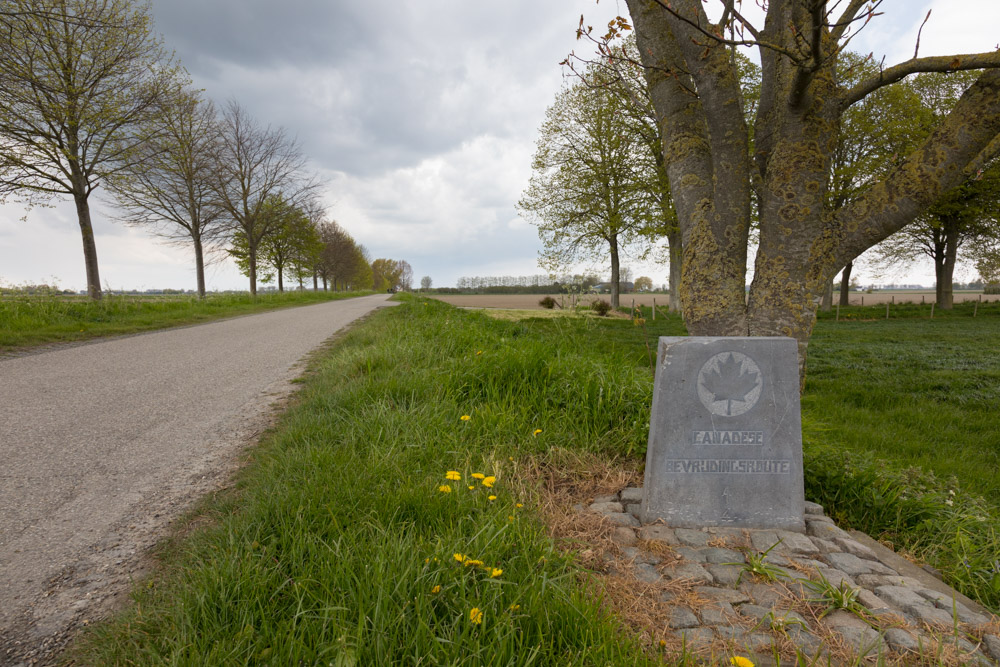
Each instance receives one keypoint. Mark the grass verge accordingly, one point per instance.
(347, 543)
(36, 320)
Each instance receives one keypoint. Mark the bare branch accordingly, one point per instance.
(916, 49)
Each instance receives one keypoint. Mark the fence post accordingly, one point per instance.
(894, 298)
(838, 313)
(932, 309)
(975, 310)
(862, 299)
(922, 299)
(654, 308)
(886, 311)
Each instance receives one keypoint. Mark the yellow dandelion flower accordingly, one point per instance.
(515, 607)
(489, 481)
(478, 352)
(491, 498)
(453, 475)
(536, 432)
(465, 418)
(471, 561)
(444, 488)
(663, 643)
(435, 590)
(476, 616)
(460, 557)
(740, 661)
(495, 572)
(510, 517)
(472, 488)
(519, 505)
(478, 475)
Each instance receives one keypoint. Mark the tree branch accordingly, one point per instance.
(914, 65)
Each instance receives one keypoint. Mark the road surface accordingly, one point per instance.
(102, 445)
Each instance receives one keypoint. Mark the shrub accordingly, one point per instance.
(601, 307)
(547, 302)
(992, 288)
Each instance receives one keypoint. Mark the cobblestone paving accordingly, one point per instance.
(719, 608)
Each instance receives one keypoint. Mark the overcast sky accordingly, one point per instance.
(420, 116)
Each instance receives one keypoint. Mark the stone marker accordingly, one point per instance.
(725, 436)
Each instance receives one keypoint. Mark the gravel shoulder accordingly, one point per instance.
(105, 444)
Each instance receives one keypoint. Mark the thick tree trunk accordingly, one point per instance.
(89, 247)
(827, 304)
(199, 266)
(845, 284)
(615, 272)
(676, 259)
(944, 265)
(315, 282)
(281, 283)
(325, 286)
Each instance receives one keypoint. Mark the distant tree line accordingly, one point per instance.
(90, 97)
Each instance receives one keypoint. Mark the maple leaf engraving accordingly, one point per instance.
(729, 382)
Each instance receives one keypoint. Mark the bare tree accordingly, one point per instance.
(252, 165)
(79, 83)
(169, 189)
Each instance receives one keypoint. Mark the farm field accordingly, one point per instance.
(530, 301)
(367, 474)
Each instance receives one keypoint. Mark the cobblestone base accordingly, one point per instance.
(716, 601)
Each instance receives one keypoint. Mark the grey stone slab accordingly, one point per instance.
(632, 494)
(690, 554)
(756, 612)
(863, 640)
(696, 637)
(849, 563)
(797, 543)
(838, 577)
(777, 559)
(720, 613)
(692, 538)
(931, 615)
(855, 548)
(841, 618)
(730, 595)
(812, 508)
(951, 605)
(992, 644)
(683, 618)
(899, 596)
(725, 575)
(762, 540)
(623, 536)
(688, 572)
(762, 594)
(659, 534)
(825, 530)
(646, 573)
(720, 555)
(622, 520)
(635, 509)
(606, 507)
(904, 641)
(870, 600)
(875, 580)
(641, 555)
(825, 546)
(725, 438)
(612, 498)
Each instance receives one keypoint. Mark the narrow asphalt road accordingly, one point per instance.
(102, 445)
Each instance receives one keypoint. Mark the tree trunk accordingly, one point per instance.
(939, 262)
(89, 247)
(845, 284)
(827, 297)
(252, 257)
(326, 287)
(281, 283)
(315, 281)
(676, 257)
(946, 284)
(615, 271)
(199, 266)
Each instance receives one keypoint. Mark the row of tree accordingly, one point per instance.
(600, 186)
(89, 97)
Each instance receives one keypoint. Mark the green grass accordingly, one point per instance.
(331, 546)
(330, 549)
(36, 320)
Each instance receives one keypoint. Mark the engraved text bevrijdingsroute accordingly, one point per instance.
(729, 466)
(727, 437)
